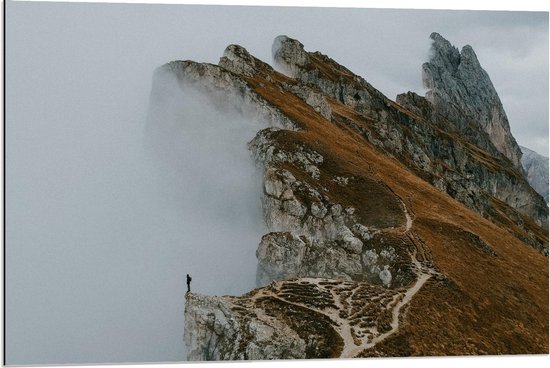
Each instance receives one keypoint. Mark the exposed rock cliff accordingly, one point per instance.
(462, 92)
(315, 237)
(536, 169)
(367, 253)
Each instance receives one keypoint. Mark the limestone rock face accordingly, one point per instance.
(237, 60)
(223, 87)
(280, 256)
(462, 91)
(311, 236)
(536, 169)
(341, 84)
(290, 54)
(313, 98)
(219, 329)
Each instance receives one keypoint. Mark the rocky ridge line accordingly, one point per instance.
(338, 236)
(311, 236)
(461, 161)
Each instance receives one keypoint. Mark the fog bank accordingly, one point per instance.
(101, 231)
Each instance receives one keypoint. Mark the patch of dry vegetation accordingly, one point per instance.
(310, 294)
(322, 340)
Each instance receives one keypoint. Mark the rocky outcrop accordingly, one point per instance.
(290, 55)
(536, 171)
(475, 174)
(311, 236)
(221, 328)
(462, 91)
(223, 87)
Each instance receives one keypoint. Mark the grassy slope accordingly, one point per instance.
(489, 304)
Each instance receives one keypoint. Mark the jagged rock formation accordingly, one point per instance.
(315, 237)
(364, 199)
(536, 170)
(461, 91)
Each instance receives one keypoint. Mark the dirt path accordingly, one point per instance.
(353, 344)
(345, 327)
(422, 278)
(350, 349)
(409, 222)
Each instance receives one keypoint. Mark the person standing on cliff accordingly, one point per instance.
(189, 283)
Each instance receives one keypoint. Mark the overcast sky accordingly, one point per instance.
(387, 47)
(94, 244)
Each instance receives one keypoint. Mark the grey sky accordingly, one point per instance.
(94, 238)
(387, 47)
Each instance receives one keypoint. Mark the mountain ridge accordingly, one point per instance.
(349, 211)
(447, 159)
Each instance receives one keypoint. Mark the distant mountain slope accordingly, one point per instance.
(536, 169)
(389, 233)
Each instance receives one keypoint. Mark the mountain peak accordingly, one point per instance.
(289, 53)
(461, 90)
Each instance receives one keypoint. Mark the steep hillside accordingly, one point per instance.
(389, 234)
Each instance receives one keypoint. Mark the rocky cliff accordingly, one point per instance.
(391, 233)
(462, 92)
(536, 169)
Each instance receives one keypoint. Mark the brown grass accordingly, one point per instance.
(487, 304)
(322, 341)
